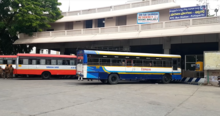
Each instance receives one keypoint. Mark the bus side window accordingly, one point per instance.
(93, 61)
(117, 62)
(25, 61)
(60, 62)
(9, 61)
(66, 62)
(38, 61)
(5, 61)
(34, 62)
(42, 61)
(53, 62)
(20, 61)
(166, 63)
(72, 62)
(48, 62)
(137, 62)
(105, 62)
(146, 63)
(13, 61)
(1, 61)
(30, 61)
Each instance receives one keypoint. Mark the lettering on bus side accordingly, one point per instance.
(145, 69)
(56, 67)
(73, 67)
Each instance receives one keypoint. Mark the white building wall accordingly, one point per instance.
(111, 21)
(164, 15)
(58, 26)
(78, 25)
(132, 19)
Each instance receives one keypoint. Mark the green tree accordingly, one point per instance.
(24, 16)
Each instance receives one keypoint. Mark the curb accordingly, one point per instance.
(191, 80)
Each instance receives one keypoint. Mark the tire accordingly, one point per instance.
(46, 75)
(166, 78)
(113, 79)
(104, 81)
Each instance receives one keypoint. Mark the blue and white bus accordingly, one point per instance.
(111, 67)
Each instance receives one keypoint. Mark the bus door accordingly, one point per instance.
(175, 65)
(129, 65)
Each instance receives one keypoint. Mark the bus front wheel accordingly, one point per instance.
(46, 75)
(166, 78)
(113, 79)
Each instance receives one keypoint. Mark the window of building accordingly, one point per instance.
(88, 24)
(122, 20)
(101, 22)
(69, 25)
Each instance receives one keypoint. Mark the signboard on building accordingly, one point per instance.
(148, 17)
(211, 60)
(188, 12)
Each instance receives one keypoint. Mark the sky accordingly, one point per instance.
(88, 4)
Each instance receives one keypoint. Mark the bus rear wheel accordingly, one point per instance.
(46, 75)
(166, 78)
(104, 81)
(113, 79)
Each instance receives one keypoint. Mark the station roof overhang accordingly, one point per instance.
(118, 12)
(193, 30)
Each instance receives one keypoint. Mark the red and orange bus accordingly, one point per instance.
(8, 59)
(45, 65)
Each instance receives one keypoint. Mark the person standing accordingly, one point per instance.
(7, 71)
(11, 69)
(1, 72)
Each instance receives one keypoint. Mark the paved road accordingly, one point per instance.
(36, 97)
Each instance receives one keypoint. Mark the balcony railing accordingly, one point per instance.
(117, 7)
(127, 28)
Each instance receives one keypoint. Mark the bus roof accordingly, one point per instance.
(47, 55)
(8, 56)
(130, 54)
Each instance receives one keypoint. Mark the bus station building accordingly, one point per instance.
(115, 28)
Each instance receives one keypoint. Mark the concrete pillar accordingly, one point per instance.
(94, 23)
(62, 51)
(166, 45)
